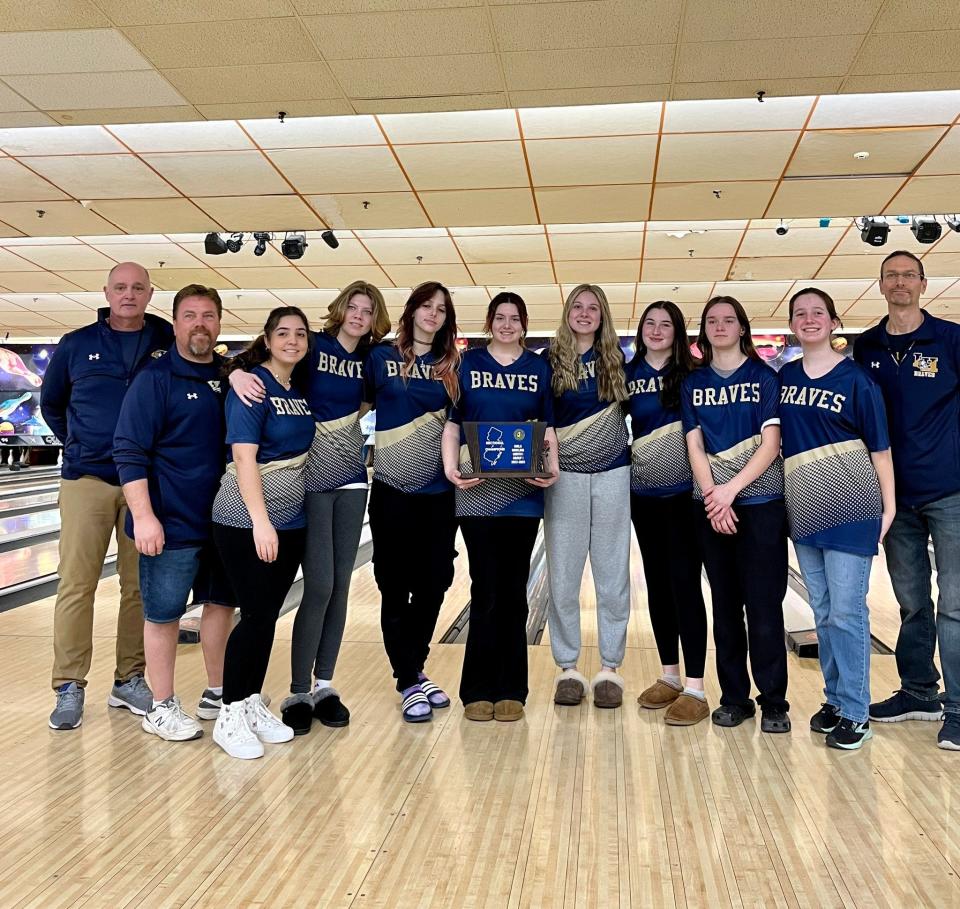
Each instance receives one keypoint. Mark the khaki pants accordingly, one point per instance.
(90, 511)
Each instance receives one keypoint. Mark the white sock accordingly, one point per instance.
(156, 703)
(319, 684)
(695, 693)
(673, 680)
(217, 690)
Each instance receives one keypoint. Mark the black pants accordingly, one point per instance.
(413, 538)
(666, 532)
(495, 661)
(261, 588)
(748, 570)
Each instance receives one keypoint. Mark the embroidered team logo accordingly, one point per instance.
(924, 366)
(214, 384)
(157, 354)
(192, 396)
(874, 364)
(95, 356)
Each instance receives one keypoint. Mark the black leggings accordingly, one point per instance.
(495, 658)
(261, 587)
(413, 538)
(748, 573)
(667, 533)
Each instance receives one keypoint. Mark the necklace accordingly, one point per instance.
(284, 382)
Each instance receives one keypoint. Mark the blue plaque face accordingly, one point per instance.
(505, 447)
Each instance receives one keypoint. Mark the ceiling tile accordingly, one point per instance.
(70, 51)
(412, 275)
(176, 113)
(158, 12)
(930, 52)
(599, 203)
(16, 16)
(509, 248)
(74, 257)
(377, 36)
(410, 76)
(473, 101)
(306, 298)
(614, 66)
(314, 132)
(887, 109)
(597, 96)
(21, 119)
(680, 293)
(34, 281)
(836, 197)
(218, 173)
(144, 216)
(575, 162)
(60, 219)
(68, 140)
(511, 229)
(688, 270)
(406, 250)
(269, 109)
(535, 296)
(724, 156)
(341, 275)
(746, 89)
(230, 42)
(280, 276)
(96, 90)
(620, 296)
(746, 199)
(245, 258)
(753, 291)
(770, 267)
(595, 120)
(248, 298)
(101, 176)
(464, 165)
(858, 266)
(258, 212)
(264, 82)
(732, 114)
(900, 16)
(924, 195)
(180, 137)
(88, 280)
(706, 244)
(150, 255)
(946, 156)
(464, 208)
(513, 273)
(10, 261)
(18, 184)
(807, 241)
(774, 58)
(899, 238)
(777, 19)
(11, 101)
(902, 82)
(891, 151)
(340, 170)
(383, 210)
(586, 24)
(596, 246)
(450, 126)
(175, 278)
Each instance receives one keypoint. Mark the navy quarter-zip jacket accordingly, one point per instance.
(922, 396)
(83, 389)
(170, 432)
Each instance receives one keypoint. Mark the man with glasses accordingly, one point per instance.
(915, 358)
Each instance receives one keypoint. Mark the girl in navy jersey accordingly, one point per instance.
(663, 513)
(840, 498)
(499, 518)
(587, 509)
(729, 412)
(411, 383)
(259, 522)
(336, 484)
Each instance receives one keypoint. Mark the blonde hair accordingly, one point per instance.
(565, 360)
(337, 312)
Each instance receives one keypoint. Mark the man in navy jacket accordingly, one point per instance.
(915, 358)
(169, 450)
(83, 388)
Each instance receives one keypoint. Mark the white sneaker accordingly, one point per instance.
(168, 721)
(233, 735)
(264, 724)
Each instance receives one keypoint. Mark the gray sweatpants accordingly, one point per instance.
(588, 513)
(334, 522)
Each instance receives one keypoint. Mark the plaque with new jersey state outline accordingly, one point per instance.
(505, 449)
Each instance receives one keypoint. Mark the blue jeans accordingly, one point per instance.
(167, 579)
(837, 583)
(921, 629)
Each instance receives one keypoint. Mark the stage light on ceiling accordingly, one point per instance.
(235, 243)
(874, 231)
(214, 245)
(294, 245)
(926, 229)
(953, 222)
(330, 239)
(262, 238)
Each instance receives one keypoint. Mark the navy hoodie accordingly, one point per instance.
(922, 395)
(84, 386)
(170, 432)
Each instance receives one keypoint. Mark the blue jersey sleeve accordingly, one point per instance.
(688, 415)
(244, 424)
(871, 415)
(139, 426)
(546, 396)
(370, 379)
(55, 395)
(769, 398)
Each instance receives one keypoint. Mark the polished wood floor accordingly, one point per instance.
(570, 807)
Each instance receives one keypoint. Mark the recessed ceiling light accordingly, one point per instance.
(861, 155)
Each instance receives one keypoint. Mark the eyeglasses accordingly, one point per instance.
(906, 275)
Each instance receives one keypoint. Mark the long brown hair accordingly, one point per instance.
(565, 360)
(746, 339)
(507, 296)
(681, 361)
(256, 351)
(444, 347)
(337, 312)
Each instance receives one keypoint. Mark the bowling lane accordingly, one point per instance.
(33, 501)
(25, 474)
(16, 529)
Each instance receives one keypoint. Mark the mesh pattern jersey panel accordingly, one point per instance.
(833, 490)
(283, 493)
(598, 447)
(769, 483)
(412, 463)
(660, 463)
(491, 497)
(334, 458)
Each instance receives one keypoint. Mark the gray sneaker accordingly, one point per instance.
(68, 714)
(209, 706)
(134, 694)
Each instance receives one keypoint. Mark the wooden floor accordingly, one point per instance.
(569, 807)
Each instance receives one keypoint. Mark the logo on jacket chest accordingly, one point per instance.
(95, 356)
(214, 384)
(924, 366)
(192, 396)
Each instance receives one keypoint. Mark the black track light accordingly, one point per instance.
(330, 239)
(294, 245)
(262, 238)
(926, 230)
(953, 222)
(214, 245)
(874, 231)
(235, 242)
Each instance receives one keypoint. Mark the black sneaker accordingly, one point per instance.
(774, 721)
(732, 714)
(849, 735)
(825, 719)
(949, 737)
(903, 706)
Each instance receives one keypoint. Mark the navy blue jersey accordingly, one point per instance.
(919, 375)
(731, 413)
(659, 464)
(411, 411)
(334, 394)
(170, 433)
(829, 427)
(84, 385)
(283, 428)
(516, 393)
(592, 433)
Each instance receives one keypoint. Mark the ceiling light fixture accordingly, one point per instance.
(874, 231)
(330, 239)
(262, 238)
(782, 229)
(926, 228)
(235, 243)
(294, 245)
(214, 245)
(953, 222)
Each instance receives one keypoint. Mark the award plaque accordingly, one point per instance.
(505, 449)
